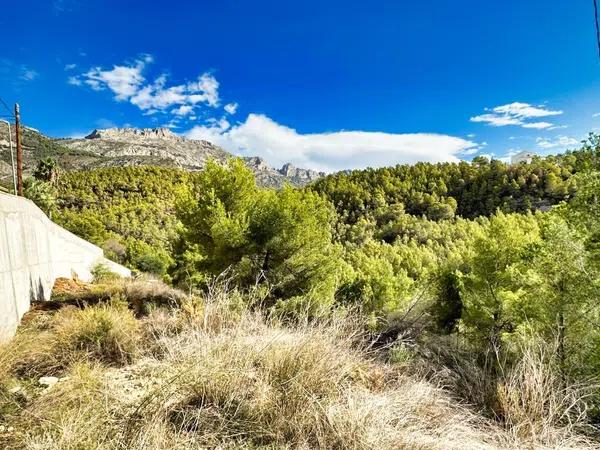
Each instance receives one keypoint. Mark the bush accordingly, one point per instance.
(151, 263)
(107, 333)
(102, 273)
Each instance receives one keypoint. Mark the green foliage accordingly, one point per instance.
(46, 170)
(488, 289)
(441, 191)
(134, 206)
(560, 286)
(281, 237)
(102, 273)
(378, 281)
(41, 193)
(456, 244)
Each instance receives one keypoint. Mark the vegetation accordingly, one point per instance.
(216, 373)
(480, 277)
(130, 212)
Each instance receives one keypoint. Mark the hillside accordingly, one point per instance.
(474, 282)
(126, 147)
(175, 372)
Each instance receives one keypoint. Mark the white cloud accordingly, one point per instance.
(497, 120)
(127, 83)
(558, 142)
(596, 114)
(537, 125)
(231, 108)
(525, 110)
(75, 81)
(123, 81)
(278, 144)
(105, 123)
(183, 110)
(516, 113)
(28, 74)
(70, 66)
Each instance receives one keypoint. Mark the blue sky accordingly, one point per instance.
(323, 84)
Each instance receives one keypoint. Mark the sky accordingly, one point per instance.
(326, 84)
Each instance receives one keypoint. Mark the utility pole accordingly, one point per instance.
(12, 156)
(19, 151)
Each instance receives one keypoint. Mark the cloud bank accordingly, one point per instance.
(278, 144)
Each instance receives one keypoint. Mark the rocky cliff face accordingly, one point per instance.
(160, 146)
(308, 175)
(268, 176)
(115, 147)
(132, 146)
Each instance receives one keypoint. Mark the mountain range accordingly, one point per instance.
(135, 147)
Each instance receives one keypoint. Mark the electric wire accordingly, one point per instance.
(9, 110)
(597, 26)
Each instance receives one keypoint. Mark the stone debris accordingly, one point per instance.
(48, 381)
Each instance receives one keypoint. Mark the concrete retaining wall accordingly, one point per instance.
(34, 251)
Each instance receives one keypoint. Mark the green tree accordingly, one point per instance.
(41, 193)
(280, 237)
(561, 291)
(47, 170)
(488, 289)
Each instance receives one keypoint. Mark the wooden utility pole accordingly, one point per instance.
(19, 151)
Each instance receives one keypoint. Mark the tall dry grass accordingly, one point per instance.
(536, 403)
(214, 373)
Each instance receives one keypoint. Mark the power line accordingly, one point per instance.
(10, 111)
(597, 26)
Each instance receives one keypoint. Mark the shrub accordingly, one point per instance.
(151, 263)
(107, 333)
(102, 273)
(114, 250)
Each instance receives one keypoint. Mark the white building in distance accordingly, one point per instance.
(522, 157)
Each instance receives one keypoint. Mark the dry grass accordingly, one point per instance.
(213, 374)
(107, 333)
(142, 293)
(536, 404)
(259, 385)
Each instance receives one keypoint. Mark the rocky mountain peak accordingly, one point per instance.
(291, 171)
(118, 147)
(133, 134)
(288, 170)
(257, 163)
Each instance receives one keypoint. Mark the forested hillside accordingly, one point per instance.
(488, 273)
(469, 190)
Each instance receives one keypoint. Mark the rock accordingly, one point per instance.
(300, 175)
(132, 147)
(126, 134)
(257, 163)
(48, 381)
(162, 147)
